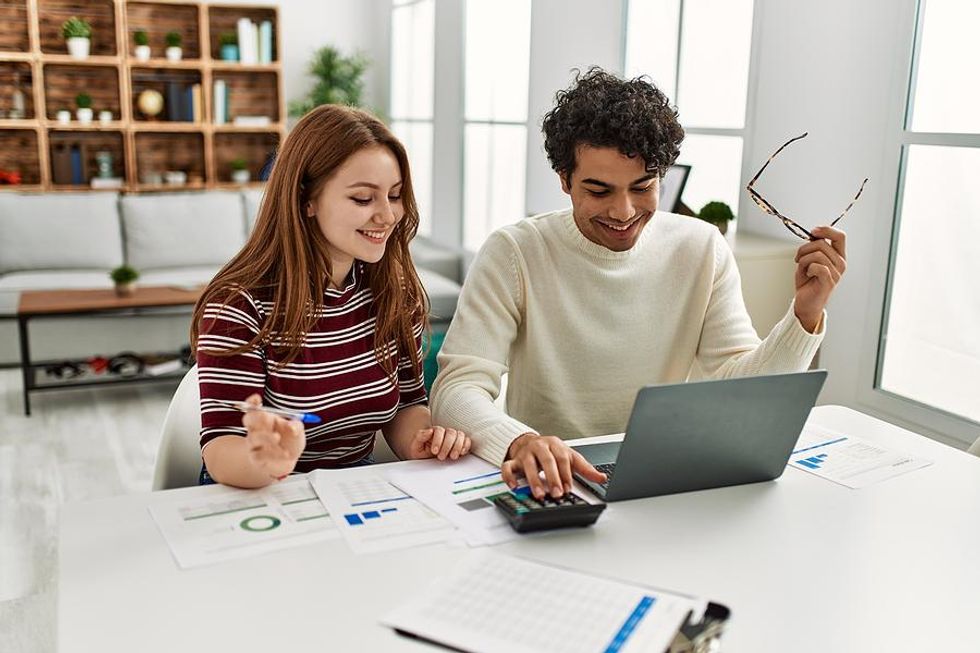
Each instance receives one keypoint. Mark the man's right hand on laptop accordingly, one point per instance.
(530, 453)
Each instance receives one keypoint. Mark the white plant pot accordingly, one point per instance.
(78, 47)
(240, 176)
(174, 54)
(64, 117)
(84, 116)
(105, 117)
(142, 52)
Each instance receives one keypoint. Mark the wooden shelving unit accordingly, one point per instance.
(34, 58)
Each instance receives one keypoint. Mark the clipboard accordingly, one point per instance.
(492, 602)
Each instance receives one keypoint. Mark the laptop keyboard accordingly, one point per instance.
(607, 469)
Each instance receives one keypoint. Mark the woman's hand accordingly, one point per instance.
(274, 443)
(439, 442)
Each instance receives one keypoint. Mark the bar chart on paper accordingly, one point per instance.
(847, 460)
(373, 515)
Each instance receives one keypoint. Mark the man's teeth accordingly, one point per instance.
(619, 228)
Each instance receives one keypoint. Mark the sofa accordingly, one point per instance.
(73, 240)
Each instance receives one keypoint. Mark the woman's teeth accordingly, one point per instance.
(374, 235)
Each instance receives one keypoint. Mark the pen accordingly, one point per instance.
(244, 406)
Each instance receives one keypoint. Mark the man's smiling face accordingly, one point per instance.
(613, 196)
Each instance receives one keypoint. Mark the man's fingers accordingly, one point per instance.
(508, 474)
(837, 238)
(564, 460)
(820, 258)
(821, 272)
(833, 256)
(531, 473)
(584, 468)
(552, 477)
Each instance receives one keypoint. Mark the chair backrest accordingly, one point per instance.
(179, 457)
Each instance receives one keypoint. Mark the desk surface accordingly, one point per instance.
(46, 302)
(805, 565)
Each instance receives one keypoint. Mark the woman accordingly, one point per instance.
(321, 312)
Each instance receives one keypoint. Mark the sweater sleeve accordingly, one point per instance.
(729, 345)
(474, 355)
(228, 378)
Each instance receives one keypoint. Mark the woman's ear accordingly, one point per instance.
(310, 212)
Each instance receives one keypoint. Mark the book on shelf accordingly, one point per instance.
(220, 101)
(60, 163)
(251, 121)
(197, 112)
(247, 42)
(265, 42)
(77, 165)
(173, 101)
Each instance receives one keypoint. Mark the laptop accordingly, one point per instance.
(707, 434)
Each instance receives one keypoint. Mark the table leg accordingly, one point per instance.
(25, 363)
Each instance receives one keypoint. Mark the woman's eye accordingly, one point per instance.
(395, 198)
(362, 201)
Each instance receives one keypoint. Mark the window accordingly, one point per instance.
(497, 67)
(929, 352)
(412, 84)
(697, 52)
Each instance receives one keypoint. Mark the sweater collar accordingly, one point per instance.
(575, 238)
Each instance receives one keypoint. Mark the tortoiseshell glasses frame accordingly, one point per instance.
(795, 227)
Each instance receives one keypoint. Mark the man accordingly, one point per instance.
(583, 307)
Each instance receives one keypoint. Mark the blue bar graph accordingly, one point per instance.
(353, 519)
(813, 462)
(371, 514)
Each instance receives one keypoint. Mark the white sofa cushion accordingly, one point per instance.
(190, 276)
(55, 280)
(253, 198)
(443, 294)
(59, 231)
(185, 229)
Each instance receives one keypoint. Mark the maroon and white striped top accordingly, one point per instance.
(336, 376)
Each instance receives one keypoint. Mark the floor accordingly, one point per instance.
(78, 445)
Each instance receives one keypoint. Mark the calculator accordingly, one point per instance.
(526, 514)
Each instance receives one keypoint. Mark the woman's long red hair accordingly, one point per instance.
(287, 251)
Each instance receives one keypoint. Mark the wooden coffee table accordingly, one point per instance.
(44, 304)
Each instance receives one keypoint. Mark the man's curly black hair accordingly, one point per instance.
(602, 110)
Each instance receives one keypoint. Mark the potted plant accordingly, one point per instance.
(239, 171)
(84, 112)
(174, 39)
(105, 117)
(125, 279)
(142, 41)
(229, 46)
(340, 80)
(63, 116)
(718, 214)
(78, 36)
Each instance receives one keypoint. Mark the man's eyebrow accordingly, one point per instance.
(596, 182)
(643, 179)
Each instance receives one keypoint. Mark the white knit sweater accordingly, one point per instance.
(581, 328)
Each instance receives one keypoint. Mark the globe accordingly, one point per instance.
(150, 102)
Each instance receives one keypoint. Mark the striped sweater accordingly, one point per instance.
(336, 376)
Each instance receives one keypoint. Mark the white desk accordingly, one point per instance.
(804, 564)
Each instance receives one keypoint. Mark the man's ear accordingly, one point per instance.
(566, 183)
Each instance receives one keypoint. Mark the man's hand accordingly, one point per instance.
(531, 454)
(439, 442)
(820, 264)
(274, 443)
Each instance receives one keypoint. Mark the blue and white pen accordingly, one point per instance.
(245, 407)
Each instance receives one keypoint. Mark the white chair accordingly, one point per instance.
(179, 458)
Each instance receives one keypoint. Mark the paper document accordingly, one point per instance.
(459, 491)
(373, 515)
(848, 460)
(492, 602)
(230, 523)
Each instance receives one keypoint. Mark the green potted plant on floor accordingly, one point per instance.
(340, 80)
(174, 40)
(125, 279)
(718, 214)
(78, 36)
(239, 170)
(142, 41)
(84, 111)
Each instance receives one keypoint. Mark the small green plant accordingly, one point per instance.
(716, 213)
(340, 80)
(140, 37)
(174, 39)
(124, 274)
(228, 38)
(76, 28)
(239, 163)
(83, 101)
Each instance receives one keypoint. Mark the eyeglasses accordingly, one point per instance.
(790, 224)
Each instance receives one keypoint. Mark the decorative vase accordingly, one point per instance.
(174, 54)
(229, 52)
(127, 289)
(240, 176)
(142, 52)
(78, 47)
(105, 116)
(84, 116)
(64, 117)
